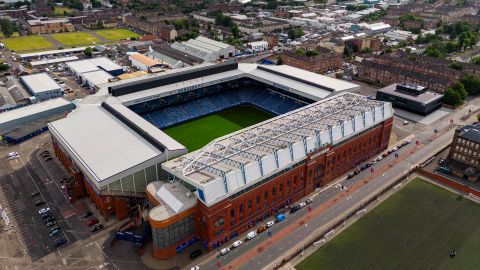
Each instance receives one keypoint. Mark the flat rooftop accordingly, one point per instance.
(423, 98)
(40, 82)
(173, 198)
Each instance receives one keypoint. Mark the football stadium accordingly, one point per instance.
(209, 151)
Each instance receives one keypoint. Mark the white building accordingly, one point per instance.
(205, 48)
(41, 86)
(376, 28)
(258, 46)
(401, 35)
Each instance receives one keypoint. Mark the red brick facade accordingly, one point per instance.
(80, 187)
(325, 61)
(221, 222)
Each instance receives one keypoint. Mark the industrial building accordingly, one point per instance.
(94, 64)
(171, 57)
(25, 122)
(118, 155)
(142, 62)
(411, 97)
(205, 48)
(41, 86)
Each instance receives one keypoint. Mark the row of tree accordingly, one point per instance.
(8, 28)
(457, 93)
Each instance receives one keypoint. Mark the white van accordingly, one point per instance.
(224, 251)
(251, 235)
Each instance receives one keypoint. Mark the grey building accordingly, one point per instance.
(41, 86)
(411, 97)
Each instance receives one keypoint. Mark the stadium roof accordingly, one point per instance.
(105, 146)
(236, 161)
(311, 85)
(40, 82)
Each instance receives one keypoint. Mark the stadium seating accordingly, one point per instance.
(173, 110)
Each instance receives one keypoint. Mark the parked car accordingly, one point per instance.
(92, 222)
(195, 254)
(51, 223)
(261, 228)
(237, 243)
(294, 209)
(280, 217)
(46, 215)
(44, 210)
(302, 204)
(196, 267)
(270, 223)
(87, 214)
(96, 227)
(60, 242)
(35, 193)
(385, 155)
(55, 228)
(54, 233)
(49, 219)
(406, 122)
(224, 251)
(308, 201)
(251, 235)
(351, 175)
(379, 158)
(442, 161)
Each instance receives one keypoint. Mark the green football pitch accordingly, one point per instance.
(416, 228)
(197, 133)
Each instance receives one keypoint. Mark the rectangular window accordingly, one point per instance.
(265, 195)
(249, 203)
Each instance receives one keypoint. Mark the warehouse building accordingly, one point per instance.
(142, 62)
(411, 97)
(205, 48)
(41, 86)
(22, 123)
(94, 64)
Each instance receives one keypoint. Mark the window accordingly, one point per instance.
(265, 195)
(249, 203)
(274, 191)
(258, 199)
(241, 208)
(220, 221)
(232, 212)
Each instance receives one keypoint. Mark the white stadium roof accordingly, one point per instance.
(231, 163)
(108, 141)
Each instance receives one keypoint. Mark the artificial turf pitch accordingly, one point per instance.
(416, 228)
(197, 133)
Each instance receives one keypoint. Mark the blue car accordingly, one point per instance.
(280, 217)
(60, 242)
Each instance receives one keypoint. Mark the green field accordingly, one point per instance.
(61, 10)
(76, 38)
(117, 34)
(416, 228)
(197, 133)
(27, 43)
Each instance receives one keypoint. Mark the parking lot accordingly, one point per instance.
(26, 195)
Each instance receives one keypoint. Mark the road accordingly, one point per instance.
(334, 202)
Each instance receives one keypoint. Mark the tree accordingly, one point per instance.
(300, 52)
(460, 89)
(311, 53)
(88, 52)
(7, 27)
(388, 50)
(295, 33)
(3, 67)
(471, 84)
(476, 60)
(451, 97)
(347, 52)
(279, 61)
(456, 66)
(235, 31)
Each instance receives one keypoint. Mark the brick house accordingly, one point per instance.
(326, 60)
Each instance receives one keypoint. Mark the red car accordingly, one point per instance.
(92, 222)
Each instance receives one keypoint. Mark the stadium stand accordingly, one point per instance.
(173, 110)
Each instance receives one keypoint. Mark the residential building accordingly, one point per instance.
(326, 60)
(258, 46)
(49, 26)
(464, 155)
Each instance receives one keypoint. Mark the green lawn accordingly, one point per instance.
(75, 38)
(416, 228)
(117, 34)
(197, 133)
(27, 43)
(61, 10)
